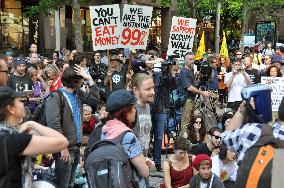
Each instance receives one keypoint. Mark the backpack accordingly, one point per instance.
(39, 113)
(178, 97)
(255, 170)
(107, 165)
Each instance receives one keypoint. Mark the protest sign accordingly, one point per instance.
(105, 25)
(181, 36)
(136, 21)
(277, 86)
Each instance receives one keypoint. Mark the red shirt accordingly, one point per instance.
(89, 127)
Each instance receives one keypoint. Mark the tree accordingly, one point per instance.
(233, 12)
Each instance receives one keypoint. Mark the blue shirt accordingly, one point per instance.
(213, 85)
(73, 103)
(186, 79)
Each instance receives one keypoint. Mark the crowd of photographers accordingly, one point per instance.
(86, 84)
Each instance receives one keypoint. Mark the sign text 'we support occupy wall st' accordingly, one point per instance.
(181, 36)
(136, 21)
(105, 25)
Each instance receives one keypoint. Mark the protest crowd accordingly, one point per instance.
(105, 120)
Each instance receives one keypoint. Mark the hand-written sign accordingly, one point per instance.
(136, 21)
(277, 86)
(105, 25)
(181, 36)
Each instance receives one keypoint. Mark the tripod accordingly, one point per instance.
(205, 106)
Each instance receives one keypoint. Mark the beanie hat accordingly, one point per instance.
(199, 158)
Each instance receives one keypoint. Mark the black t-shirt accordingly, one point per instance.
(118, 79)
(253, 75)
(201, 149)
(20, 84)
(16, 143)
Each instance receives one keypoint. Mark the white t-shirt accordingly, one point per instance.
(238, 84)
(224, 171)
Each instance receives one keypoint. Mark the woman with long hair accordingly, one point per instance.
(196, 130)
(19, 141)
(223, 67)
(178, 167)
(53, 78)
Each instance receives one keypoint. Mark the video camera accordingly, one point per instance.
(205, 70)
(98, 71)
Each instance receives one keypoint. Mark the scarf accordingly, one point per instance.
(203, 180)
(26, 163)
(113, 128)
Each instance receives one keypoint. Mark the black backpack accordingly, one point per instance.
(107, 165)
(39, 113)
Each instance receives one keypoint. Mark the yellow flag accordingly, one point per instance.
(201, 48)
(224, 49)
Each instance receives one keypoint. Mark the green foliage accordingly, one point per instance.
(45, 6)
(231, 11)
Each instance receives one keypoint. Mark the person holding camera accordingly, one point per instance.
(244, 137)
(187, 82)
(236, 80)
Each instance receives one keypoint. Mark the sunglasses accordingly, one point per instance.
(217, 137)
(7, 72)
(198, 122)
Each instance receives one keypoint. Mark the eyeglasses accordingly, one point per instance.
(217, 137)
(197, 122)
(5, 71)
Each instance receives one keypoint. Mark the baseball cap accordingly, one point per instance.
(7, 95)
(119, 99)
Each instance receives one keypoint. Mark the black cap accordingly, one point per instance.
(281, 48)
(119, 99)
(7, 95)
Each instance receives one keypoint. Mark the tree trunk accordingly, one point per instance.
(244, 24)
(77, 27)
(217, 27)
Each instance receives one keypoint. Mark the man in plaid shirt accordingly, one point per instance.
(239, 138)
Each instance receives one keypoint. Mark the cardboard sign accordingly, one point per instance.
(181, 36)
(136, 21)
(277, 86)
(105, 25)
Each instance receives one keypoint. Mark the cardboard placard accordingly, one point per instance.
(277, 86)
(181, 36)
(105, 25)
(136, 21)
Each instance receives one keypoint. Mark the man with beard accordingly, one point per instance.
(143, 88)
(19, 81)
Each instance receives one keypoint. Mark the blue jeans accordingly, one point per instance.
(160, 121)
(65, 171)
